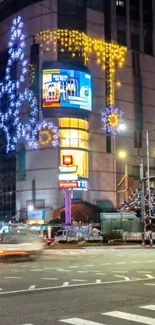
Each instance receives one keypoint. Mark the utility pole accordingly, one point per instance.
(142, 201)
(148, 171)
(148, 179)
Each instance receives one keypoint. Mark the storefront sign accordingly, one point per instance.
(67, 169)
(82, 185)
(67, 177)
(67, 160)
(36, 215)
(68, 185)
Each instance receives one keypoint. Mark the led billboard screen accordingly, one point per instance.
(66, 88)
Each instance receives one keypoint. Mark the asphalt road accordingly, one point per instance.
(80, 290)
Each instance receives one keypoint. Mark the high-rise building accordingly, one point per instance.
(75, 71)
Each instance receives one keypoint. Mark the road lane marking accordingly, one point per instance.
(150, 261)
(62, 270)
(98, 273)
(52, 279)
(89, 265)
(119, 271)
(150, 284)
(36, 270)
(79, 321)
(88, 284)
(65, 284)
(131, 317)
(76, 280)
(98, 281)
(13, 277)
(144, 272)
(82, 271)
(73, 266)
(136, 262)
(106, 264)
(148, 307)
(32, 287)
(126, 278)
(120, 262)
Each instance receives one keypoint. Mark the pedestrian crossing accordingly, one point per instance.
(118, 315)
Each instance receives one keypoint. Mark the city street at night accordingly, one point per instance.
(77, 289)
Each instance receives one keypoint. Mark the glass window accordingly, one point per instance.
(80, 158)
(64, 122)
(73, 123)
(74, 138)
(81, 124)
(97, 5)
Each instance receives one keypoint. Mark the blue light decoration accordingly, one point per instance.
(134, 201)
(111, 118)
(15, 98)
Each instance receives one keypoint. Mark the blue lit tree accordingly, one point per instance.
(13, 98)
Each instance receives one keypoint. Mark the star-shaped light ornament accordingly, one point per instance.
(111, 119)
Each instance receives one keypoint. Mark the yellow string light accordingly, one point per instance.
(74, 41)
(45, 136)
(113, 120)
(31, 73)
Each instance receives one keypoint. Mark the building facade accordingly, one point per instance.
(71, 38)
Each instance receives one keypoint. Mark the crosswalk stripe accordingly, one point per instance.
(149, 307)
(78, 321)
(131, 317)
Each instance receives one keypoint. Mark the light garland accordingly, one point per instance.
(10, 123)
(111, 118)
(75, 42)
(52, 130)
(45, 136)
(31, 74)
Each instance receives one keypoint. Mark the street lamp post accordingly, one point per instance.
(148, 171)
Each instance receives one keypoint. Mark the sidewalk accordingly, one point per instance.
(92, 250)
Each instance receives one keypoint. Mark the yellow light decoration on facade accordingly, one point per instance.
(31, 73)
(113, 120)
(74, 41)
(45, 136)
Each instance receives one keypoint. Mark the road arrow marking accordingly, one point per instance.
(32, 287)
(149, 276)
(126, 278)
(65, 284)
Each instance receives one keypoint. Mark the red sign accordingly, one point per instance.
(67, 160)
(68, 185)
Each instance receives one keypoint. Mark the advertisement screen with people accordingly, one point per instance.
(66, 88)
